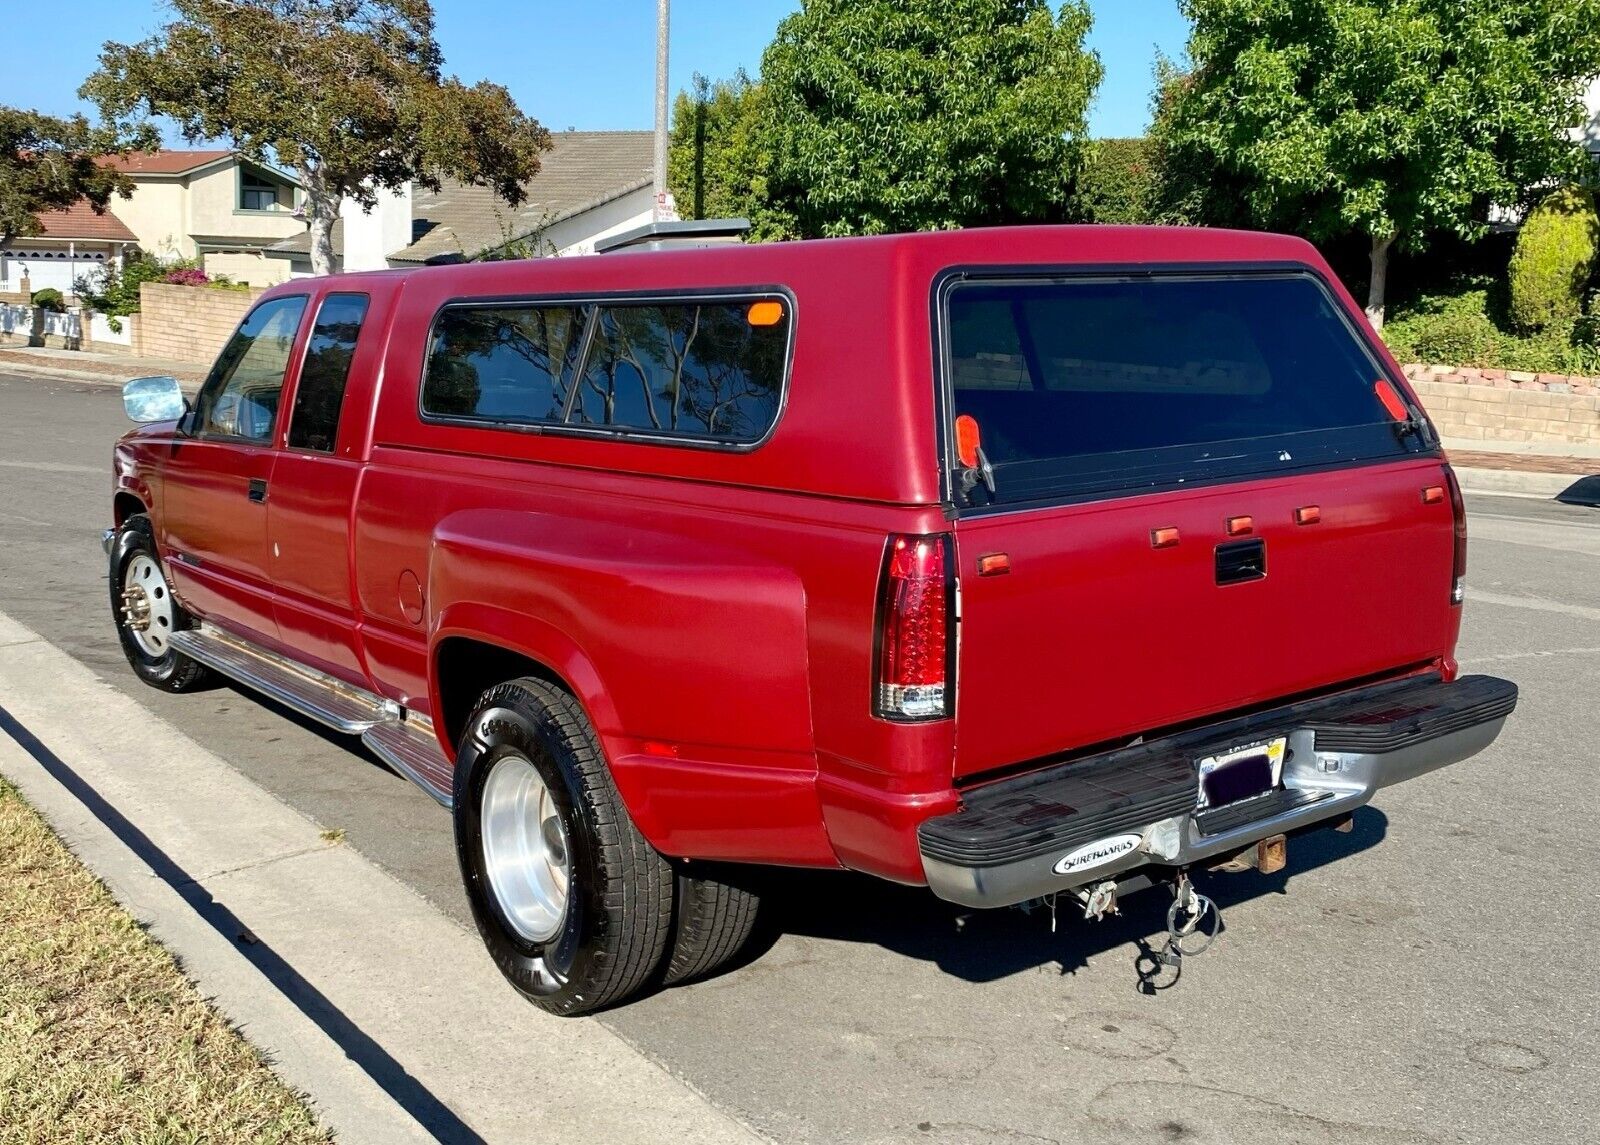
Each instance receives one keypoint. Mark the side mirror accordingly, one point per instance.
(154, 399)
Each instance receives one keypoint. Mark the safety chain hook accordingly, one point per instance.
(1184, 918)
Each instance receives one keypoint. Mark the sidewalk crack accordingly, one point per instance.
(268, 861)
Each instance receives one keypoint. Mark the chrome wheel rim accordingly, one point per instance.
(525, 852)
(147, 606)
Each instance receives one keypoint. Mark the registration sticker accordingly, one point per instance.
(1241, 773)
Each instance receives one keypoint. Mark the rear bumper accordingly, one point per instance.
(1091, 819)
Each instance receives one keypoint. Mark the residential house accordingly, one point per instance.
(591, 185)
(73, 242)
(216, 207)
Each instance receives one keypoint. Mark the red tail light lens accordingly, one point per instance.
(1458, 507)
(916, 629)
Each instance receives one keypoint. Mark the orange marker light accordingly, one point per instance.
(1308, 515)
(1433, 495)
(1163, 538)
(1240, 526)
(765, 313)
(968, 440)
(994, 564)
(1391, 400)
(657, 748)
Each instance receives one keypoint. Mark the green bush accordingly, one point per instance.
(50, 299)
(1465, 323)
(1118, 182)
(1553, 259)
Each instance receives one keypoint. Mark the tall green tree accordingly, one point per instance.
(47, 164)
(898, 115)
(349, 94)
(1393, 119)
(720, 153)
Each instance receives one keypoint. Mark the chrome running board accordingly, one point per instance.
(410, 747)
(405, 745)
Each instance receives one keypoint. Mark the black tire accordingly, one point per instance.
(618, 914)
(714, 921)
(170, 670)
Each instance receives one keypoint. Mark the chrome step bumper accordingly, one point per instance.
(1090, 819)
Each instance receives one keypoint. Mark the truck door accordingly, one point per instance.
(214, 498)
(314, 487)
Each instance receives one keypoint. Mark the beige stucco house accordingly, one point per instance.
(214, 206)
(591, 186)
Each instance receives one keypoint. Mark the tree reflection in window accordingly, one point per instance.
(700, 369)
(503, 364)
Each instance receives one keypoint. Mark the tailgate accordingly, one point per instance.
(1210, 489)
(1095, 634)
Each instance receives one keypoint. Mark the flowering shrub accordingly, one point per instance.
(187, 276)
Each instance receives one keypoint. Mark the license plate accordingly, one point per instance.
(1241, 773)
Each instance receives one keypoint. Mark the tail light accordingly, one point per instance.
(916, 630)
(1458, 508)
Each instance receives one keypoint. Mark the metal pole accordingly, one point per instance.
(661, 110)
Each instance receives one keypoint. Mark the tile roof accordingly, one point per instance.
(583, 169)
(80, 221)
(164, 162)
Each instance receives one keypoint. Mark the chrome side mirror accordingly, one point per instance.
(154, 399)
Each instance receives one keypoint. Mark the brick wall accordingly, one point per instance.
(188, 323)
(1548, 410)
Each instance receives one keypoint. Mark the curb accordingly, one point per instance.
(58, 374)
(1518, 481)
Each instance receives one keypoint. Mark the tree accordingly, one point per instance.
(720, 154)
(1394, 119)
(898, 115)
(1117, 183)
(47, 164)
(347, 93)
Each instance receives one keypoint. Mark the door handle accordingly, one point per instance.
(258, 490)
(1241, 561)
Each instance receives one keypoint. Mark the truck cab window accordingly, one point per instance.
(240, 398)
(320, 395)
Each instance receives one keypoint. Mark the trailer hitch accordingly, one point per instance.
(1184, 918)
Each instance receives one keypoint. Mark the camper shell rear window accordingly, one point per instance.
(1083, 385)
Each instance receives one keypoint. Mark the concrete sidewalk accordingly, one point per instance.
(387, 1014)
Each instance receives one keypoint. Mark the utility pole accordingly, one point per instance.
(662, 23)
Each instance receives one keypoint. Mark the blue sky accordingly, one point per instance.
(588, 66)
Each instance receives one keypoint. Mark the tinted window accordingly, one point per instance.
(706, 369)
(240, 397)
(1098, 384)
(329, 351)
(502, 363)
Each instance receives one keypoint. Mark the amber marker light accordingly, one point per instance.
(1308, 515)
(1433, 495)
(994, 564)
(1163, 538)
(1241, 526)
(764, 313)
(968, 440)
(1391, 400)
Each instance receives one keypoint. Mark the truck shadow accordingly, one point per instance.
(987, 945)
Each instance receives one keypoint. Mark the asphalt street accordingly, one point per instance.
(1428, 977)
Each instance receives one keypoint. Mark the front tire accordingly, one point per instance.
(147, 614)
(572, 902)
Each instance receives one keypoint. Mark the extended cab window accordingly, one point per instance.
(240, 397)
(706, 370)
(1086, 385)
(329, 352)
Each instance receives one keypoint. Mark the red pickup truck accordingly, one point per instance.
(1017, 563)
